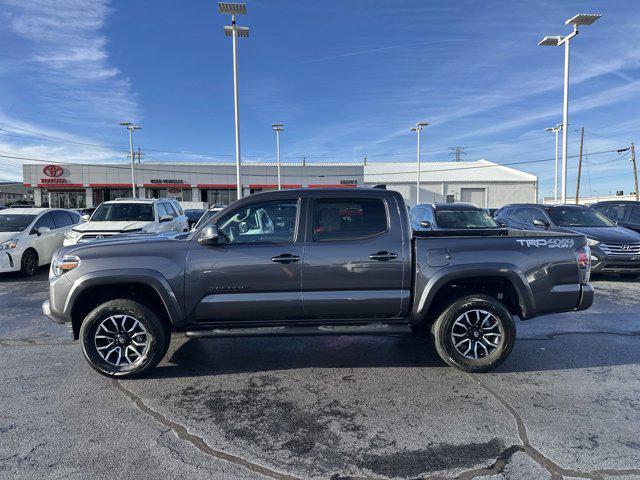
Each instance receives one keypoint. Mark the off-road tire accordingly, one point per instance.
(441, 333)
(158, 338)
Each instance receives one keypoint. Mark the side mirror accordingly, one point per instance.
(209, 236)
(425, 224)
(85, 217)
(540, 223)
(42, 230)
(165, 218)
(501, 224)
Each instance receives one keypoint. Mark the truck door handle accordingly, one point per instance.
(383, 256)
(286, 258)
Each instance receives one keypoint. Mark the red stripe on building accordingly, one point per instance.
(60, 185)
(217, 185)
(264, 185)
(103, 185)
(27, 184)
(333, 186)
(167, 185)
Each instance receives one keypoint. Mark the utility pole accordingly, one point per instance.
(418, 128)
(579, 165)
(457, 151)
(140, 154)
(278, 127)
(635, 167)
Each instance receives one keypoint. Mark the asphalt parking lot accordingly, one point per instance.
(565, 404)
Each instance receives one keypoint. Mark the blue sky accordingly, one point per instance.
(347, 78)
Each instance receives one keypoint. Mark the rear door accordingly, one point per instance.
(356, 263)
(254, 275)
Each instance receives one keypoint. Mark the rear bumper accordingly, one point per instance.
(586, 297)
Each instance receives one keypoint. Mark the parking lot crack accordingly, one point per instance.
(197, 441)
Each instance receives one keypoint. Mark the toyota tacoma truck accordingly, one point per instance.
(313, 261)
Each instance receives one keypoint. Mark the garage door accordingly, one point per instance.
(473, 195)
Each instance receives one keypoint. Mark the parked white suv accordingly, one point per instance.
(30, 236)
(130, 216)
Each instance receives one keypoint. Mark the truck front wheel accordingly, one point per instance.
(122, 338)
(474, 334)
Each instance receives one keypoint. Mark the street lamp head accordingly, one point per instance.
(583, 19)
(422, 124)
(232, 8)
(126, 124)
(241, 31)
(550, 41)
(415, 129)
(278, 127)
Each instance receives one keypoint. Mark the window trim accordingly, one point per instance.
(294, 239)
(312, 204)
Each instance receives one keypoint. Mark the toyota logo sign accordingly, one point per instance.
(52, 171)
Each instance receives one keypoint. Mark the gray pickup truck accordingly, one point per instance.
(304, 262)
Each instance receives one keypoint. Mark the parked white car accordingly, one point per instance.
(130, 216)
(30, 236)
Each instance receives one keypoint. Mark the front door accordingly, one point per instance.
(356, 262)
(254, 273)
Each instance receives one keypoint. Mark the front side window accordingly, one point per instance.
(464, 219)
(45, 220)
(123, 212)
(15, 223)
(614, 212)
(348, 218)
(578, 217)
(634, 215)
(261, 222)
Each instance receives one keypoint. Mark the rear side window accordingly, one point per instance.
(348, 218)
(62, 219)
(614, 212)
(162, 210)
(45, 220)
(634, 216)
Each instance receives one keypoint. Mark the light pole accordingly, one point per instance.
(555, 130)
(278, 127)
(234, 32)
(131, 127)
(580, 19)
(418, 129)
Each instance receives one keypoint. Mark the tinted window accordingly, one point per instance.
(464, 219)
(194, 214)
(45, 221)
(614, 212)
(15, 223)
(634, 215)
(61, 219)
(578, 217)
(205, 216)
(348, 218)
(266, 222)
(123, 212)
(170, 210)
(521, 215)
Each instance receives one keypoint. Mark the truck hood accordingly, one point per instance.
(131, 239)
(110, 226)
(605, 234)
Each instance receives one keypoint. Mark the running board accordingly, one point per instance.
(292, 331)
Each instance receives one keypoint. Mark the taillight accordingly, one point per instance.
(583, 256)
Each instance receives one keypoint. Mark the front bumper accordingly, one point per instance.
(586, 297)
(9, 262)
(46, 310)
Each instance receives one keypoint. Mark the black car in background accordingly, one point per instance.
(625, 213)
(614, 249)
(193, 215)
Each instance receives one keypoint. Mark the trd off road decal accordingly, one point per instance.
(550, 243)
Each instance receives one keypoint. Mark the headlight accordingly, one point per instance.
(9, 244)
(592, 242)
(64, 264)
(71, 235)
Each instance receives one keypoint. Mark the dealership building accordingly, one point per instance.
(84, 185)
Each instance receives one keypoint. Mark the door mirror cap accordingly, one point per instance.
(42, 230)
(425, 224)
(165, 218)
(209, 236)
(540, 223)
(85, 217)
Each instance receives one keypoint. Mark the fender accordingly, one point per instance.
(458, 272)
(134, 275)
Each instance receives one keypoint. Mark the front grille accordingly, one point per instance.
(620, 248)
(87, 237)
(621, 266)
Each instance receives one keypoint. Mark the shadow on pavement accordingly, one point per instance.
(200, 357)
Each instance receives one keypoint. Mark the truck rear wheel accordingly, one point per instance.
(122, 338)
(474, 334)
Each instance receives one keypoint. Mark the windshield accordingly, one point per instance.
(123, 212)
(15, 223)
(464, 219)
(578, 217)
